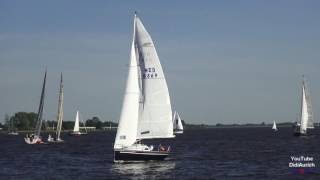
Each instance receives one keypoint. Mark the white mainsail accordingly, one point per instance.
(128, 123)
(60, 110)
(76, 127)
(274, 127)
(177, 123)
(155, 114)
(146, 110)
(306, 118)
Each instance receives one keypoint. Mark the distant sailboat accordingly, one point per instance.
(146, 110)
(12, 130)
(36, 138)
(306, 117)
(177, 124)
(76, 129)
(59, 116)
(274, 127)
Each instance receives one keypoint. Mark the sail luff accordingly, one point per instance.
(127, 128)
(40, 109)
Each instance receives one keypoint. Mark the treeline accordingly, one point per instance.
(27, 121)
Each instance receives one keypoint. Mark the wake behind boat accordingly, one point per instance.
(146, 110)
(306, 117)
(36, 138)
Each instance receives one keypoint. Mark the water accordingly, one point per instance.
(228, 153)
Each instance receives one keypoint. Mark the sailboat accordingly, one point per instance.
(146, 110)
(36, 138)
(76, 130)
(177, 124)
(12, 130)
(57, 139)
(306, 117)
(274, 127)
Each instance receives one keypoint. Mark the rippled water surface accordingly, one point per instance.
(224, 153)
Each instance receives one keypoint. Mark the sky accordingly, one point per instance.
(224, 61)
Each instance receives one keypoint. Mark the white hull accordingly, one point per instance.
(13, 133)
(78, 133)
(140, 152)
(55, 141)
(35, 140)
(178, 132)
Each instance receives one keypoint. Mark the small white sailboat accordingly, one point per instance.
(146, 110)
(76, 129)
(274, 127)
(306, 117)
(12, 130)
(177, 124)
(59, 116)
(36, 138)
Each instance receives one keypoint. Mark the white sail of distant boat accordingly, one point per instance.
(36, 138)
(274, 127)
(12, 129)
(59, 114)
(76, 128)
(177, 124)
(146, 110)
(306, 115)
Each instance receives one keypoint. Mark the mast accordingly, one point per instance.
(41, 104)
(60, 110)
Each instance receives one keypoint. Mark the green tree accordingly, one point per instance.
(24, 120)
(94, 122)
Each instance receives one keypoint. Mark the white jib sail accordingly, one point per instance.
(127, 128)
(274, 127)
(76, 123)
(155, 114)
(306, 120)
(179, 123)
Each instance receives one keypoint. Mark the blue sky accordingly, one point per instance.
(225, 61)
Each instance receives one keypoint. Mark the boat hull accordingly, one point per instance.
(299, 134)
(139, 155)
(33, 141)
(178, 132)
(13, 133)
(77, 133)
